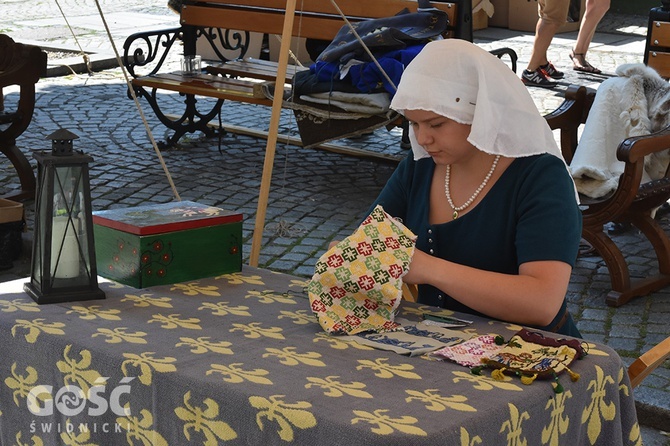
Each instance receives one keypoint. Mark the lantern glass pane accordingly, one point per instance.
(70, 265)
(43, 199)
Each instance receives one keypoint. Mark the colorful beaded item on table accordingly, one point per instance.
(531, 355)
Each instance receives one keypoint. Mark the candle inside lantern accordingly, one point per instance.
(65, 260)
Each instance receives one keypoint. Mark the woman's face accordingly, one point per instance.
(443, 138)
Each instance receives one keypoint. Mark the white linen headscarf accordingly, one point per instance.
(459, 80)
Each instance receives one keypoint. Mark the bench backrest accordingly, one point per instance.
(657, 51)
(316, 19)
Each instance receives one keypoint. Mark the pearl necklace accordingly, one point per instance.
(469, 201)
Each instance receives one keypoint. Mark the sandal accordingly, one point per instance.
(580, 63)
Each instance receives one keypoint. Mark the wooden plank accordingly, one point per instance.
(207, 85)
(660, 61)
(270, 22)
(648, 362)
(308, 24)
(254, 68)
(351, 8)
(660, 34)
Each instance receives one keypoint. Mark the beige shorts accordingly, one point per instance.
(554, 11)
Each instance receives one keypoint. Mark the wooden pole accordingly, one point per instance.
(271, 145)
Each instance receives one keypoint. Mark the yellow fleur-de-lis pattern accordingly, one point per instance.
(121, 334)
(552, 433)
(335, 388)
(204, 421)
(600, 408)
(383, 424)
(21, 384)
(513, 426)
(146, 300)
(286, 416)
(32, 329)
(18, 305)
(289, 356)
(224, 308)
(94, 311)
(234, 373)
(204, 345)
(241, 359)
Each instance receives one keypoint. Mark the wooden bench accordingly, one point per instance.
(227, 24)
(657, 47)
(20, 65)
(632, 202)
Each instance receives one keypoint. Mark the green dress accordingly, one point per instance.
(529, 214)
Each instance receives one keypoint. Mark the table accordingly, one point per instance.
(240, 358)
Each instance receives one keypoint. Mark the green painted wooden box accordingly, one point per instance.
(167, 243)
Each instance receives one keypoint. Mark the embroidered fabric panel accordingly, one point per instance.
(521, 355)
(415, 339)
(357, 284)
(471, 352)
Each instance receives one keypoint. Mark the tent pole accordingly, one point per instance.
(272, 133)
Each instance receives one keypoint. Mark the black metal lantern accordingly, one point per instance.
(63, 264)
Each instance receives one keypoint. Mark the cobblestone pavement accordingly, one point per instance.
(316, 196)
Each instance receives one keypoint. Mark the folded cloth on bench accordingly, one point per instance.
(371, 104)
(389, 33)
(634, 103)
(366, 77)
(332, 102)
(320, 123)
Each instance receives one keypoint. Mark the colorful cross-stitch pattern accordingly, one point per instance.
(357, 284)
(471, 352)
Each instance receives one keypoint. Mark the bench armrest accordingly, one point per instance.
(235, 43)
(635, 148)
(145, 52)
(569, 116)
(500, 53)
(632, 152)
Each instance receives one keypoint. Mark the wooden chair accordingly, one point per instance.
(632, 202)
(648, 362)
(20, 65)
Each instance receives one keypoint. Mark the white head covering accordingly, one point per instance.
(459, 80)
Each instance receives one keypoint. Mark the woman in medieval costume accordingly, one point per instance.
(485, 190)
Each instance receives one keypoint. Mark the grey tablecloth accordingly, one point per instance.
(241, 359)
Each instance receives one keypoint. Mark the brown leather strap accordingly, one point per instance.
(560, 323)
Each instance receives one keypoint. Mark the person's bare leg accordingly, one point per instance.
(595, 11)
(544, 34)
